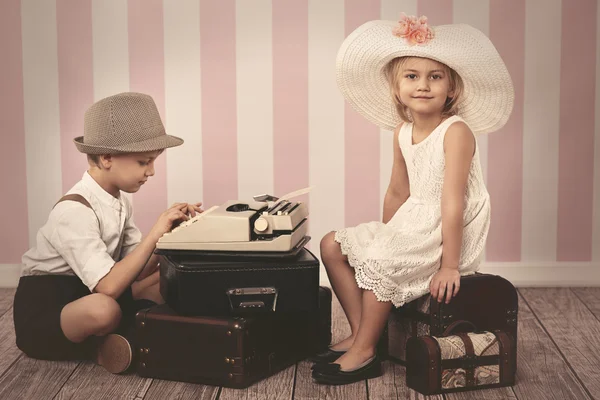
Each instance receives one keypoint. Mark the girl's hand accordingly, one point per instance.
(168, 219)
(445, 281)
(192, 209)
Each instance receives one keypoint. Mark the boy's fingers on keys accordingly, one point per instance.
(178, 206)
(191, 211)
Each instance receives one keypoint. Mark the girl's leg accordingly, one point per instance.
(373, 319)
(148, 288)
(341, 276)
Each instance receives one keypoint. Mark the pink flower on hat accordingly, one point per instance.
(414, 30)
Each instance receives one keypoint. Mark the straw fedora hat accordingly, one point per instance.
(488, 96)
(124, 123)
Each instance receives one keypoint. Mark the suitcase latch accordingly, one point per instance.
(252, 299)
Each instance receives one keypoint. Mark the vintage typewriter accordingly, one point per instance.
(266, 225)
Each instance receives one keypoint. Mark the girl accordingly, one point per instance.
(436, 88)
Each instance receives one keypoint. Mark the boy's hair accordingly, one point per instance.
(94, 159)
(392, 72)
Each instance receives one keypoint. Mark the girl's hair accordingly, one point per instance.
(393, 74)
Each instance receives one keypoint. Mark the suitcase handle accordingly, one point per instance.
(453, 326)
(252, 298)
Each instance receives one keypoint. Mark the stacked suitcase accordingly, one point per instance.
(233, 320)
(435, 340)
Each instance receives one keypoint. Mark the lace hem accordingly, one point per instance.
(368, 278)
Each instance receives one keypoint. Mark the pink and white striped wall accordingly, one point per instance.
(250, 86)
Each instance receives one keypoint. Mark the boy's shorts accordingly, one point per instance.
(38, 303)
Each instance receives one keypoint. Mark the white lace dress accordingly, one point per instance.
(397, 260)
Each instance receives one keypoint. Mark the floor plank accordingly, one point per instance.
(6, 299)
(541, 370)
(276, 387)
(160, 390)
(485, 394)
(590, 297)
(574, 329)
(306, 388)
(35, 379)
(92, 381)
(8, 348)
(392, 385)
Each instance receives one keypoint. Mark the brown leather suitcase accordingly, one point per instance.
(194, 284)
(461, 362)
(227, 351)
(488, 301)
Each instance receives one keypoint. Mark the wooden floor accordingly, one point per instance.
(558, 359)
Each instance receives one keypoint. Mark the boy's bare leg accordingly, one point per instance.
(95, 314)
(373, 319)
(341, 276)
(98, 315)
(148, 288)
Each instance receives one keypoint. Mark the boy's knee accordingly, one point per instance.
(105, 312)
(329, 247)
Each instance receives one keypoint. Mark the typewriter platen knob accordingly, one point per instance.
(261, 224)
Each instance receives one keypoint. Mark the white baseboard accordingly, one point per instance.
(551, 274)
(9, 275)
(520, 274)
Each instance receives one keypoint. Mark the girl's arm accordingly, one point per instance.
(398, 189)
(459, 148)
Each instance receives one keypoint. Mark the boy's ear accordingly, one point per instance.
(106, 161)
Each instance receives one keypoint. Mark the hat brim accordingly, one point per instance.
(156, 143)
(486, 102)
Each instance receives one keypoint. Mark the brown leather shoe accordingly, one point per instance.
(114, 353)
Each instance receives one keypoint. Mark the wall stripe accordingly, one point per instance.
(596, 212)
(219, 126)
(390, 10)
(183, 102)
(147, 75)
(362, 192)
(110, 48)
(254, 78)
(437, 12)
(505, 152)
(576, 140)
(75, 81)
(290, 96)
(540, 143)
(13, 211)
(326, 119)
(476, 14)
(42, 124)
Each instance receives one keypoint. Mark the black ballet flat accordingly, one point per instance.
(331, 374)
(327, 356)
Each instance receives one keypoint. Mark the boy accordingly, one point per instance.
(90, 269)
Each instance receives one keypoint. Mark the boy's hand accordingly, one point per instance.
(166, 221)
(445, 281)
(192, 209)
